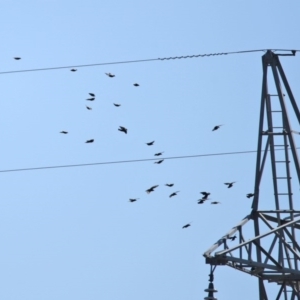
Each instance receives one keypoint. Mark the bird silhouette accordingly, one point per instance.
(229, 184)
(158, 154)
(150, 144)
(133, 199)
(117, 105)
(173, 194)
(89, 108)
(232, 237)
(123, 129)
(151, 189)
(215, 202)
(90, 99)
(92, 94)
(136, 84)
(186, 226)
(205, 195)
(90, 141)
(169, 184)
(217, 127)
(201, 201)
(73, 70)
(17, 58)
(110, 75)
(64, 132)
(159, 161)
(250, 195)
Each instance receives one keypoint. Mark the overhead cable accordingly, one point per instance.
(126, 161)
(144, 60)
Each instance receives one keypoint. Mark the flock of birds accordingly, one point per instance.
(204, 194)
(92, 98)
(204, 197)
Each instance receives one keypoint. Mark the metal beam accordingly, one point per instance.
(258, 237)
(229, 233)
(259, 265)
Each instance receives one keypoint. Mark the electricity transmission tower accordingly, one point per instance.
(270, 252)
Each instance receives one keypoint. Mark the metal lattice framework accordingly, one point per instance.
(273, 254)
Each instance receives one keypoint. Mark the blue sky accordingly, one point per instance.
(71, 233)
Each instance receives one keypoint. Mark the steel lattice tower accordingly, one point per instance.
(272, 253)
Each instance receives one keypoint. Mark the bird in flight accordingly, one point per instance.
(89, 108)
(229, 184)
(92, 94)
(169, 184)
(64, 132)
(215, 202)
(173, 194)
(151, 189)
(158, 154)
(217, 127)
(117, 105)
(90, 141)
(250, 195)
(159, 161)
(133, 199)
(123, 129)
(186, 226)
(150, 144)
(91, 99)
(205, 195)
(110, 75)
(136, 84)
(232, 237)
(201, 201)
(17, 58)
(73, 70)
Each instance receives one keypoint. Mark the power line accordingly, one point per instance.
(145, 60)
(126, 161)
(80, 66)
